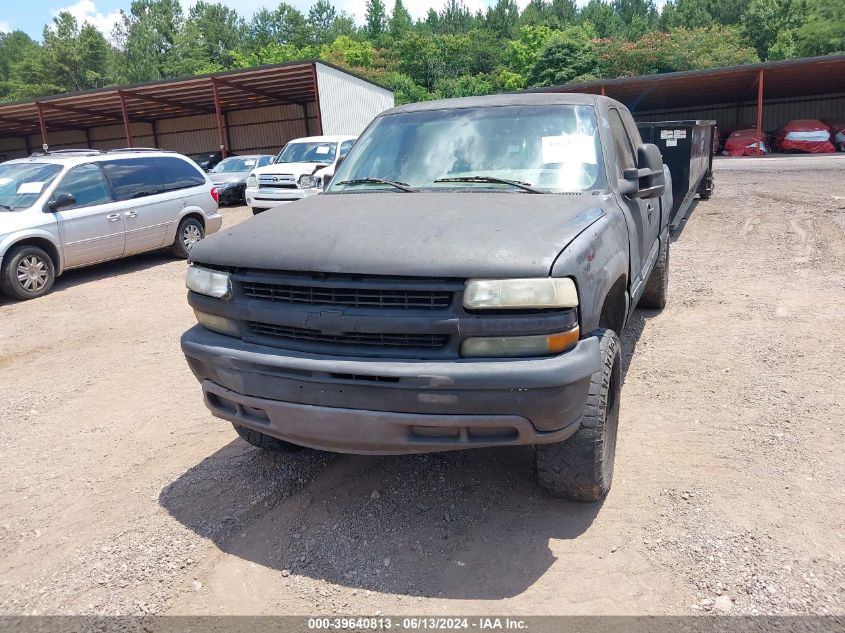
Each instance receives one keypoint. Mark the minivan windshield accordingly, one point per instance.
(307, 153)
(22, 183)
(547, 148)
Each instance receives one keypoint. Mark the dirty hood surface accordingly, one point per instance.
(409, 234)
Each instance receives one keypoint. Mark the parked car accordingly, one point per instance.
(297, 172)
(462, 283)
(229, 176)
(64, 210)
(206, 160)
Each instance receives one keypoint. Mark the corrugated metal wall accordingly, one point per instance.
(257, 130)
(348, 104)
(775, 112)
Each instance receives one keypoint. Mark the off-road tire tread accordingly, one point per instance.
(657, 287)
(572, 469)
(265, 442)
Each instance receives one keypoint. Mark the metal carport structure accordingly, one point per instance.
(766, 95)
(256, 109)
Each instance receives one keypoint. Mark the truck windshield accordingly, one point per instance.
(22, 183)
(307, 153)
(547, 148)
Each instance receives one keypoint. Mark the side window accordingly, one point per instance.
(264, 160)
(86, 184)
(624, 149)
(139, 177)
(345, 147)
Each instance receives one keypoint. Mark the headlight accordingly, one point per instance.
(545, 292)
(217, 323)
(306, 182)
(519, 346)
(207, 282)
(252, 181)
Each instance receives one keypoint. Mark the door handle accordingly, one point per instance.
(650, 210)
(113, 217)
(131, 214)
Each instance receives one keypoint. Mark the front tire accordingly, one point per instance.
(27, 272)
(190, 232)
(657, 287)
(265, 442)
(581, 468)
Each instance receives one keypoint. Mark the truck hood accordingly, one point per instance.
(407, 234)
(297, 169)
(228, 177)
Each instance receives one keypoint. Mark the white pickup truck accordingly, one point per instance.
(297, 172)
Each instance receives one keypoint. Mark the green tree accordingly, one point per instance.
(522, 53)
(400, 20)
(454, 18)
(638, 17)
(211, 33)
(763, 20)
(568, 55)
(325, 23)
(284, 25)
(147, 36)
(566, 12)
(823, 32)
(537, 12)
(376, 19)
(503, 18)
(16, 49)
(73, 57)
(603, 19)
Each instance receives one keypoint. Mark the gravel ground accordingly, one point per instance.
(122, 495)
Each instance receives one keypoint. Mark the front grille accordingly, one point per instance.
(418, 341)
(350, 297)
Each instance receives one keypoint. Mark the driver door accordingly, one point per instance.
(92, 229)
(642, 212)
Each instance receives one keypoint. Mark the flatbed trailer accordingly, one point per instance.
(687, 148)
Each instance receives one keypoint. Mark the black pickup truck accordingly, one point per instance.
(460, 283)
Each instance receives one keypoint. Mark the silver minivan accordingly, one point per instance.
(67, 209)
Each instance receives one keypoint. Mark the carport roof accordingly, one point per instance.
(730, 84)
(292, 82)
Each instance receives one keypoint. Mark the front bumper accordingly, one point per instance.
(266, 198)
(381, 406)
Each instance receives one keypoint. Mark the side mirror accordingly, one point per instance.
(647, 180)
(327, 179)
(60, 201)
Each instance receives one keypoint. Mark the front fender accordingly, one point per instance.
(8, 241)
(595, 259)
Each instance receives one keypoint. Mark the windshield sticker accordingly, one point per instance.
(30, 187)
(569, 148)
(323, 149)
(249, 163)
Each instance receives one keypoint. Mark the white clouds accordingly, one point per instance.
(5, 27)
(86, 11)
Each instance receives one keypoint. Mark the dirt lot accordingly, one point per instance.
(121, 494)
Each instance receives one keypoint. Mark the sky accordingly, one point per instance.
(32, 15)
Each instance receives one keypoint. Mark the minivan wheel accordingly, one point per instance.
(27, 272)
(581, 468)
(190, 232)
(266, 442)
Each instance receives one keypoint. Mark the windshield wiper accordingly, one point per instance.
(493, 179)
(402, 186)
(6, 207)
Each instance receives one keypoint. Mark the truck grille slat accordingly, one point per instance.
(419, 341)
(387, 298)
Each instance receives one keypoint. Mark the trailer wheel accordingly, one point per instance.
(657, 286)
(581, 468)
(705, 190)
